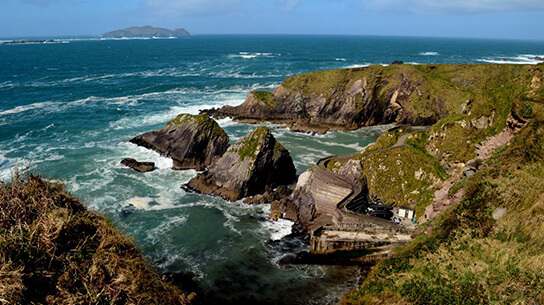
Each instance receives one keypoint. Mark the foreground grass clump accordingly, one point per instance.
(467, 256)
(54, 251)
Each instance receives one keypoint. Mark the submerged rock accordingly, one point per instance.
(138, 166)
(251, 166)
(192, 141)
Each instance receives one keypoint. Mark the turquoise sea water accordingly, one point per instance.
(67, 110)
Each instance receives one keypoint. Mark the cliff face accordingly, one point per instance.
(192, 141)
(352, 98)
(252, 165)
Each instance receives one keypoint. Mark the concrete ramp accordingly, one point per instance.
(328, 191)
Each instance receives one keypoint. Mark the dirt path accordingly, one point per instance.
(487, 147)
(442, 199)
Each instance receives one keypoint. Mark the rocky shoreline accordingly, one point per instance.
(434, 106)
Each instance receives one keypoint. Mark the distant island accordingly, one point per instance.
(32, 41)
(146, 31)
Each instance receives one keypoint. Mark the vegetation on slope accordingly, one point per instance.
(467, 256)
(249, 146)
(202, 121)
(54, 251)
(266, 97)
(470, 102)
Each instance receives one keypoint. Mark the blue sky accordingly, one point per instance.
(517, 19)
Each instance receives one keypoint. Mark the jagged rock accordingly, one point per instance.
(249, 167)
(469, 171)
(138, 166)
(515, 122)
(275, 215)
(300, 206)
(192, 141)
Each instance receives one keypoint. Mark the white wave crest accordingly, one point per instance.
(253, 55)
(519, 59)
(357, 66)
(429, 53)
(277, 229)
(23, 108)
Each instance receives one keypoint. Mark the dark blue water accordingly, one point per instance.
(67, 111)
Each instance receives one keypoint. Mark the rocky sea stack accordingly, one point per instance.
(251, 166)
(192, 141)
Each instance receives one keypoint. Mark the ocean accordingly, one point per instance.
(68, 109)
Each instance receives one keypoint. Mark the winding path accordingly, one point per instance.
(341, 192)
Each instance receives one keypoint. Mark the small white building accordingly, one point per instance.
(406, 212)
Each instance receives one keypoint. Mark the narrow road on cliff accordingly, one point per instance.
(354, 198)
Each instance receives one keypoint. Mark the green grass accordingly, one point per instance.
(202, 121)
(266, 97)
(454, 95)
(248, 147)
(54, 251)
(471, 258)
(402, 176)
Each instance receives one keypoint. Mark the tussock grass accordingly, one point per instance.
(54, 251)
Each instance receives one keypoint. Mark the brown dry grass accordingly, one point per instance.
(54, 251)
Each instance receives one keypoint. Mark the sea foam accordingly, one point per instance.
(429, 53)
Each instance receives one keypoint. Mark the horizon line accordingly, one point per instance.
(22, 37)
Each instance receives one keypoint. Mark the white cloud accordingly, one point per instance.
(454, 6)
(194, 7)
(287, 5)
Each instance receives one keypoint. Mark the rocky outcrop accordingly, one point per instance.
(339, 100)
(138, 166)
(300, 206)
(348, 99)
(253, 165)
(192, 141)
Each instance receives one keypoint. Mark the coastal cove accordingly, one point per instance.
(68, 111)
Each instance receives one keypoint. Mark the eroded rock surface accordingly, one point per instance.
(192, 141)
(251, 166)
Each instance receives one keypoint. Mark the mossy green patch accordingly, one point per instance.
(202, 121)
(266, 97)
(402, 176)
(248, 147)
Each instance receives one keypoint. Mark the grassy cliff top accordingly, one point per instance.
(429, 91)
(249, 146)
(266, 97)
(470, 101)
(202, 121)
(54, 251)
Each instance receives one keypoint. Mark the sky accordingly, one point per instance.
(504, 19)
